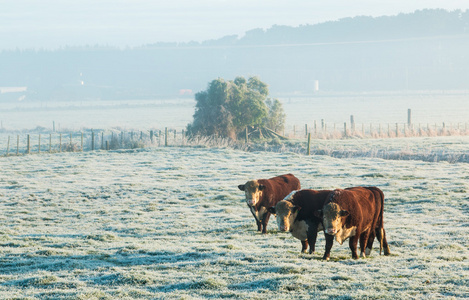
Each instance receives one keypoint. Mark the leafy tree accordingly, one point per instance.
(275, 119)
(227, 107)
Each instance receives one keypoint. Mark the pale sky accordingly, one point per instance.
(51, 24)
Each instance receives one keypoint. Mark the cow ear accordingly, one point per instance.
(241, 187)
(261, 187)
(344, 213)
(272, 210)
(318, 213)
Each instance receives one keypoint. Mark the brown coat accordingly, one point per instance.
(264, 193)
(355, 213)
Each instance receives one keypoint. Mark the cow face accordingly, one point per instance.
(253, 191)
(286, 214)
(333, 218)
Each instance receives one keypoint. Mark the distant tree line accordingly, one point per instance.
(423, 50)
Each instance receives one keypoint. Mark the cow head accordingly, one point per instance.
(286, 213)
(333, 218)
(253, 191)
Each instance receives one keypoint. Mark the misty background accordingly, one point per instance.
(95, 52)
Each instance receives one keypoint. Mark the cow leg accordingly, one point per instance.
(312, 235)
(265, 220)
(353, 242)
(369, 244)
(304, 246)
(329, 243)
(363, 242)
(259, 225)
(387, 251)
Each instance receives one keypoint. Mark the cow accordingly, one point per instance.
(264, 193)
(355, 213)
(298, 214)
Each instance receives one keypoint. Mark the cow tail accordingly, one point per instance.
(381, 222)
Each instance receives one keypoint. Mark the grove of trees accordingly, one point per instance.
(227, 107)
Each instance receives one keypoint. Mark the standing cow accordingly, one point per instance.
(355, 213)
(264, 193)
(298, 214)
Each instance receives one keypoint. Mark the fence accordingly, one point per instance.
(92, 140)
(349, 130)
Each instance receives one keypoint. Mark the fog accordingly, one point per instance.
(52, 24)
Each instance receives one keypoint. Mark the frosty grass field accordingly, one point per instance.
(170, 223)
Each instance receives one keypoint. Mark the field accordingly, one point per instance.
(170, 223)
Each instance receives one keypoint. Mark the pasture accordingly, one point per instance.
(170, 223)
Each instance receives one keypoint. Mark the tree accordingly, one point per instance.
(227, 107)
(275, 119)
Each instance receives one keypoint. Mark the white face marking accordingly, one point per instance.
(286, 213)
(332, 219)
(252, 192)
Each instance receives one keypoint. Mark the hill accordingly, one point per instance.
(424, 50)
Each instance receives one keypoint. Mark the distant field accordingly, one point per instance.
(170, 223)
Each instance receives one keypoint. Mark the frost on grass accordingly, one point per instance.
(171, 223)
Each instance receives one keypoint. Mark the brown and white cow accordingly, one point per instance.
(298, 214)
(355, 213)
(264, 193)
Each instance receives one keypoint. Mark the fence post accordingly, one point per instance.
(345, 129)
(102, 140)
(352, 124)
(309, 144)
(409, 117)
(39, 145)
(8, 145)
(246, 139)
(166, 136)
(82, 142)
(28, 147)
(60, 142)
(92, 140)
(50, 142)
(17, 144)
(151, 136)
(306, 129)
(397, 129)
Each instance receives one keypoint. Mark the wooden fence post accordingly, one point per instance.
(92, 140)
(60, 142)
(345, 129)
(28, 147)
(246, 139)
(309, 144)
(50, 142)
(39, 145)
(8, 145)
(166, 136)
(352, 124)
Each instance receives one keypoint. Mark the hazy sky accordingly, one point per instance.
(57, 23)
